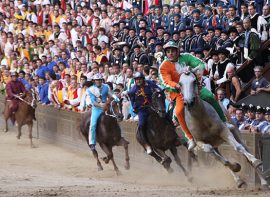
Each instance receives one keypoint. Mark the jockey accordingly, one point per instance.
(99, 94)
(140, 96)
(170, 71)
(14, 87)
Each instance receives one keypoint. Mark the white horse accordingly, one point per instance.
(210, 132)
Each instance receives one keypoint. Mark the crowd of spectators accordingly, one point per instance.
(57, 46)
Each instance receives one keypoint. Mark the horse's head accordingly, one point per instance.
(31, 98)
(115, 109)
(158, 103)
(189, 87)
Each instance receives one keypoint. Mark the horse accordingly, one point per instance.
(161, 133)
(25, 113)
(210, 132)
(108, 134)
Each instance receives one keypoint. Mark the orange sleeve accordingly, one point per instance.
(165, 76)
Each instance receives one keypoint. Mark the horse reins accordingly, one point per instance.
(112, 111)
(21, 99)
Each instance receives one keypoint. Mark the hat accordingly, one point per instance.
(208, 8)
(166, 5)
(259, 110)
(191, 4)
(97, 76)
(13, 73)
(138, 75)
(152, 6)
(128, 10)
(189, 28)
(243, 107)
(232, 29)
(267, 111)
(196, 11)
(223, 51)
(177, 5)
(170, 44)
(251, 108)
(197, 25)
(136, 46)
(115, 24)
(178, 15)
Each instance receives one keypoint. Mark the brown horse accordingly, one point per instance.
(108, 134)
(24, 115)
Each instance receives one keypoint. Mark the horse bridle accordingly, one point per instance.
(156, 110)
(112, 110)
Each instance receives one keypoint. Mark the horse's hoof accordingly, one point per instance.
(105, 159)
(100, 168)
(118, 173)
(33, 146)
(241, 184)
(5, 130)
(257, 163)
(265, 187)
(236, 167)
(190, 179)
(18, 137)
(169, 170)
(127, 166)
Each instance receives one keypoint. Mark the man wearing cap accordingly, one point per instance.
(176, 24)
(132, 39)
(99, 94)
(188, 40)
(250, 118)
(259, 123)
(139, 56)
(266, 129)
(210, 20)
(198, 41)
(14, 87)
(223, 65)
(170, 71)
(196, 18)
(141, 97)
(237, 50)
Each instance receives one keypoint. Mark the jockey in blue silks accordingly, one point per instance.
(99, 94)
(141, 97)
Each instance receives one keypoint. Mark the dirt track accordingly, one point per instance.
(54, 171)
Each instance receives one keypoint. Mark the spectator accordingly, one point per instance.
(259, 123)
(235, 85)
(259, 84)
(239, 117)
(221, 98)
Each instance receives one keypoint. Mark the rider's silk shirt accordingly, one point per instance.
(170, 72)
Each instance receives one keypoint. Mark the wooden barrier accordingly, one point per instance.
(62, 128)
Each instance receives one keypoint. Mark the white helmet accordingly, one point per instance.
(98, 76)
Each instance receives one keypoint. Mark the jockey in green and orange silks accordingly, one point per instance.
(170, 71)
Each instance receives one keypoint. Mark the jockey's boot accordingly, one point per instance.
(92, 147)
(191, 144)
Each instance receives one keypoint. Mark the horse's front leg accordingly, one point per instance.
(109, 153)
(256, 163)
(125, 143)
(6, 125)
(228, 137)
(30, 129)
(19, 131)
(95, 154)
(178, 161)
(166, 160)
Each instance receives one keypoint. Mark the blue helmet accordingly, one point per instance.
(138, 75)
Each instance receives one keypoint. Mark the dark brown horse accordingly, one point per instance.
(108, 134)
(24, 115)
(161, 133)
